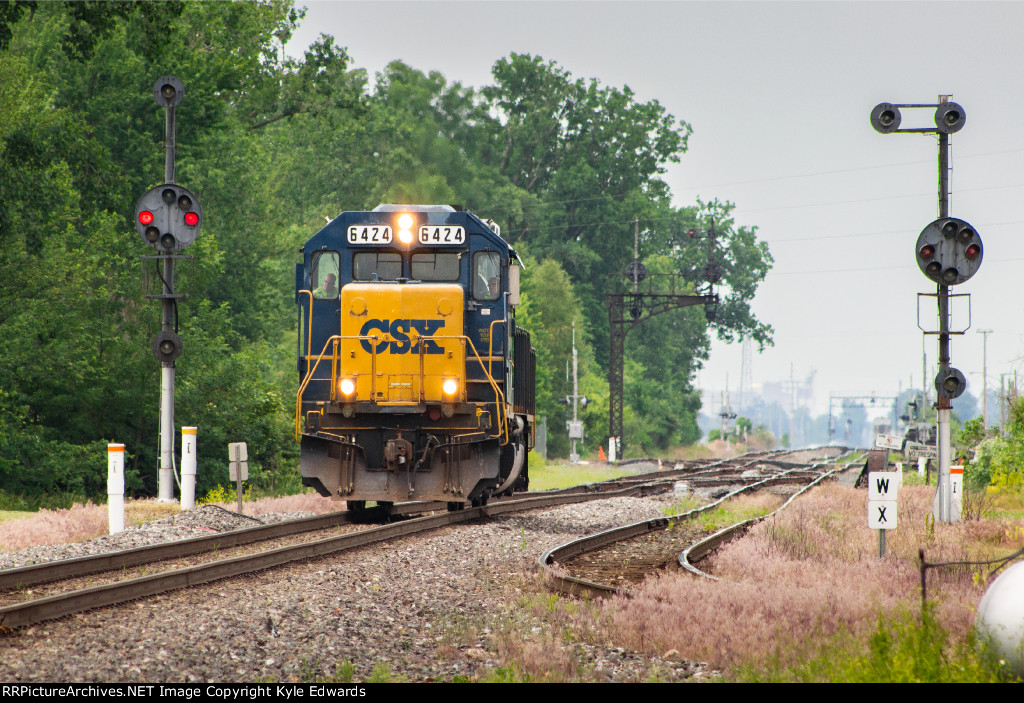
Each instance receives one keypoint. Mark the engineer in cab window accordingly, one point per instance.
(487, 275)
(328, 289)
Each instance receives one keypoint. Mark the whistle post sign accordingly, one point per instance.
(882, 487)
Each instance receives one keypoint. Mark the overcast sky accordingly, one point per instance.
(778, 95)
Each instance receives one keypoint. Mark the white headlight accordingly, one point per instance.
(450, 386)
(347, 386)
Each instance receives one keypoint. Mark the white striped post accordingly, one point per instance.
(188, 467)
(115, 488)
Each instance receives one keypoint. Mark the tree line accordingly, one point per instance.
(274, 145)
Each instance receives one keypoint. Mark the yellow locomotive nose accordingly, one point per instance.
(406, 358)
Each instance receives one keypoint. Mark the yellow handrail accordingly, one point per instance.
(334, 359)
(499, 396)
(490, 344)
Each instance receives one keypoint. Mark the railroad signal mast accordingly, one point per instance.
(168, 218)
(949, 252)
(627, 310)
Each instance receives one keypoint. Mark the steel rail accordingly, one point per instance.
(33, 574)
(573, 585)
(52, 607)
(701, 549)
(24, 576)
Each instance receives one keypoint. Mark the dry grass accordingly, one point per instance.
(82, 522)
(802, 578)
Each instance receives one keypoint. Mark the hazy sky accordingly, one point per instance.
(778, 94)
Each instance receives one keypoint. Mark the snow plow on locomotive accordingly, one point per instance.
(415, 382)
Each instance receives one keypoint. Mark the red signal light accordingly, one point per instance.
(146, 217)
(972, 252)
(191, 219)
(927, 251)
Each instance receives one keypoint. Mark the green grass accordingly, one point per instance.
(727, 515)
(14, 514)
(557, 474)
(905, 648)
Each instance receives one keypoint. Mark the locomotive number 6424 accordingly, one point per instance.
(415, 383)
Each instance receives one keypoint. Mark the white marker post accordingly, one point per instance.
(956, 490)
(238, 468)
(882, 488)
(188, 467)
(115, 488)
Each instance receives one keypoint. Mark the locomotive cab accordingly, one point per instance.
(415, 382)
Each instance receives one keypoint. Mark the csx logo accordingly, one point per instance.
(399, 331)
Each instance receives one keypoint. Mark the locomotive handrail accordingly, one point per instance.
(333, 339)
(499, 396)
(490, 343)
(309, 326)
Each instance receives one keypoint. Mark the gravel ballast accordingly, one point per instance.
(435, 607)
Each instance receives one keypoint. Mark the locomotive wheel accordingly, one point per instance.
(386, 506)
(356, 506)
(479, 502)
(454, 505)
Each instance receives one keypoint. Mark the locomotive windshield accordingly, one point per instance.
(376, 266)
(435, 266)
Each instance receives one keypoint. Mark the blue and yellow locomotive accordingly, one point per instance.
(415, 382)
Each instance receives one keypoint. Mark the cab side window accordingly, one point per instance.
(323, 275)
(486, 275)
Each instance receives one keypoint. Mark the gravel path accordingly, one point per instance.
(436, 607)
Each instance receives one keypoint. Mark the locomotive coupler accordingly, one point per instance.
(397, 453)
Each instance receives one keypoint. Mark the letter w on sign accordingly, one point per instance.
(882, 485)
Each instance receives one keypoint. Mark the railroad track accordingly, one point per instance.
(692, 541)
(29, 608)
(25, 603)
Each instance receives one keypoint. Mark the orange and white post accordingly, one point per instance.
(115, 487)
(188, 468)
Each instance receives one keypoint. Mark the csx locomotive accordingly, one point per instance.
(415, 382)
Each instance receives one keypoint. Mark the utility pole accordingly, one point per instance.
(575, 425)
(574, 456)
(984, 376)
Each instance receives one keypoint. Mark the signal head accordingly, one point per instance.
(168, 217)
(886, 118)
(166, 346)
(168, 91)
(949, 251)
(949, 118)
(950, 383)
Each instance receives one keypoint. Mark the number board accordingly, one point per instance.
(442, 234)
(369, 234)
